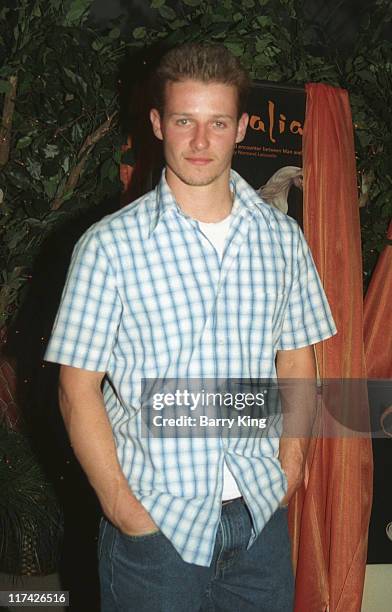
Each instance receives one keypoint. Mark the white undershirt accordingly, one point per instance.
(216, 234)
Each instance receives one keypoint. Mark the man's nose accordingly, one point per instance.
(200, 137)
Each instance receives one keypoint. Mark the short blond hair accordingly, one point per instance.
(208, 63)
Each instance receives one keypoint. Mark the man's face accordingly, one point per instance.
(199, 129)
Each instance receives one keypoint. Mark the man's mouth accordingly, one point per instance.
(199, 161)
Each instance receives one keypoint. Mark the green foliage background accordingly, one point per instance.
(31, 521)
(65, 122)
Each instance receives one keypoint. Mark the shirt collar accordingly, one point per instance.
(163, 202)
(246, 200)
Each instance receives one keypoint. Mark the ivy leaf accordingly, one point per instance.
(178, 23)
(261, 44)
(6, 71)
(106, 168)
(78, 12)
(50, 186)
(3, 13)
(32, 222)
(192, 2)
(51, 151)
(98, 44)
(36, 12)
(115, 33)
(167, 12)
(113, 172)
(5, 86)
(33, 168)
(76, 79)
(67, 196)
(65, 164)
(264, 20)
(23, 142)
(16, 238)
(19, 178)
(139, 33)
(157, 3)
(237, 49)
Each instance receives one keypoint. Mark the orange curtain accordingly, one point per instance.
(329, 516)
(126, 172)
(377, 317)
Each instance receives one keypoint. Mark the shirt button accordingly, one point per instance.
(220, 339)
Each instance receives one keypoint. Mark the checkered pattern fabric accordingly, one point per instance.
(147, 297)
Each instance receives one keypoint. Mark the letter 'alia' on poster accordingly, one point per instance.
(270, 156)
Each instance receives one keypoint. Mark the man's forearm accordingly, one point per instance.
(299, 403)
(296, 372)
(92, 439)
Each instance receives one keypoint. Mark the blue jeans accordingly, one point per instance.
(146, 574)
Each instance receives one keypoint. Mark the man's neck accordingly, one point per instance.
(206, 203)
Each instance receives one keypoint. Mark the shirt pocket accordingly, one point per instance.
(268, 311)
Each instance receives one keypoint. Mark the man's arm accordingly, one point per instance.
(87, 423)
(299, 406)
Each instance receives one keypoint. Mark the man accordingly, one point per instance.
(197, 279)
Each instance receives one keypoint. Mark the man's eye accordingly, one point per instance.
(182, 121)
(220, 124)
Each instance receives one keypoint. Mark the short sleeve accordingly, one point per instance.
(88, 317)
(308, 318)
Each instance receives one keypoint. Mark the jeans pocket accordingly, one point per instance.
(142, 537)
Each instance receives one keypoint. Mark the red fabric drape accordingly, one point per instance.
(126, 172)
(329, 517)
(377, 317)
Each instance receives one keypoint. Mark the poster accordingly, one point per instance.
(272, 149)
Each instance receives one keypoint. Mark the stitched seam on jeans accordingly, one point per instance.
(228, 564)
(224, 543)
(101, 539)
(114, 542)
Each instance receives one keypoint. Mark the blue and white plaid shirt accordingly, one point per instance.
(147, 297)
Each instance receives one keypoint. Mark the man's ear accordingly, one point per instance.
(241, 128)
(155, 119)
